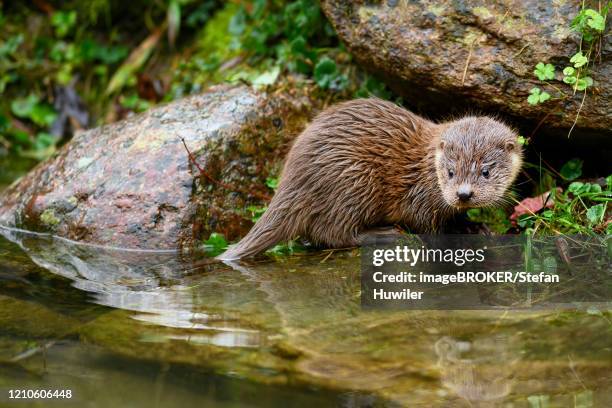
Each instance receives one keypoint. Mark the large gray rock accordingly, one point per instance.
(131, 184)
(422, 49)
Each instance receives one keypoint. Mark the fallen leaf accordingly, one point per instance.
(532, 205)
(133, 62)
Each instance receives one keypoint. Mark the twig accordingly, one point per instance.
(31, 352)
(577, 114)
(571, 366)
(540, 123)
(327, 257)
(215, 181)
(467, 62)
(521, 50)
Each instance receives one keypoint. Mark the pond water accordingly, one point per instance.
(127, 328)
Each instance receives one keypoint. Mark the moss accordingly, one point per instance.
(365, 13)
(48, 218)
(437, 10)
(482, 12)
(22, 318)
(215, 37)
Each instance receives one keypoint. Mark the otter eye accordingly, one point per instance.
(485, 173)
(451, 174)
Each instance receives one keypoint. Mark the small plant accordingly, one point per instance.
(495, 218)
(536, 96)
(255, 212)
(572, 169)
(215, 244)
(272, 183)
(591, 25)
(63, 22)
(270, 38)
(327, 75)
(544, 71)
(582, 207)
(288, 248)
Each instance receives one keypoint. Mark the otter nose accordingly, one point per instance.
(464, 193)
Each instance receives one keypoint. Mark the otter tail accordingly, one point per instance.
(267, 231)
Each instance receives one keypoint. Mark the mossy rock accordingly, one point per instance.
(132, 183)
(448, 55)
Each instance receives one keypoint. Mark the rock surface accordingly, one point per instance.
(476, 54)
(131, 184)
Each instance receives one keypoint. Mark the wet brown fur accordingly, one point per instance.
(358, 165)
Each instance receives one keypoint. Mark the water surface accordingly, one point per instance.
(169, 330)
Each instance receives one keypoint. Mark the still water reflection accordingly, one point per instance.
(292, 328)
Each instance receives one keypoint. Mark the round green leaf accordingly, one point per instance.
(572, 169)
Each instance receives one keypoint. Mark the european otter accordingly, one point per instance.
(368, 163)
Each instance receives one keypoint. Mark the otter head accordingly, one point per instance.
(477, 159)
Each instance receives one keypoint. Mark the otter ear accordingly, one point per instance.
(441, 145)
(510, 146)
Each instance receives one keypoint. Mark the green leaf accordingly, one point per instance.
(20, 137)
(327, 76)
(595, 213)
(64, 75)
(133, 63)
(91, 50)
(174, 21)
(571, 80)
(298, 46)
(267, 78)
(272, 182)
(63, 21)
(325, 67)
(579, 21)
(534, 96)
(569, 71)
(44, 141)
(594, 188)
(572, 169)
(544, 71)
(216, 243)
(584, 83)
(289, 248)
(522, 140)
(596, 21)
(43, 115)
(579, 60)
(577, 187)
(9, 46)
(547, 214)
(256, 211)
(544, 96)
(23, 107)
